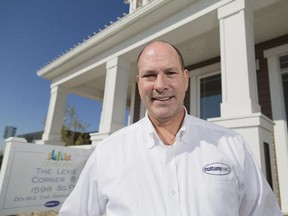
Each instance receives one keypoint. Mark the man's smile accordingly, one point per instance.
(162, 98)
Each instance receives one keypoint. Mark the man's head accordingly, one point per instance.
(181, 60)
(162, 81)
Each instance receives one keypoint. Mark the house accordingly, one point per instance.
(237, 55)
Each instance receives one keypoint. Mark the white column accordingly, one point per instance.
(280, 127)
(55, 116)
(239, 82)
(240, 109)
(115, 96)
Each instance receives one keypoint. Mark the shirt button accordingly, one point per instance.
(173, 192)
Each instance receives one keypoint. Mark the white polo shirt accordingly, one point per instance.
(209, 171)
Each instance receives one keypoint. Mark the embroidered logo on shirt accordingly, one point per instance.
(216, 169)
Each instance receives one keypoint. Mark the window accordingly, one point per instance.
(268, 164)
(284, 70)
(139, 3)
(210, 96)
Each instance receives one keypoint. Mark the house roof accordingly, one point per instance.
(192, 25)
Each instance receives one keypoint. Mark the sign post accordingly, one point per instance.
(38, 177)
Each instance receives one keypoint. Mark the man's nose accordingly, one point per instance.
(160, 82)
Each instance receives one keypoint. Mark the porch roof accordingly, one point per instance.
(191, 25)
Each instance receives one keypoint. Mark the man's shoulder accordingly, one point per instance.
(127, 132)
(207, 125)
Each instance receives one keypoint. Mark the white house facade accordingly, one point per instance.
(237, 55)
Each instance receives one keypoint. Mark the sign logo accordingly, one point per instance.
(59, 156)
(216, 169)
(51, 204)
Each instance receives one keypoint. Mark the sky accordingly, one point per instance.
(32, 33)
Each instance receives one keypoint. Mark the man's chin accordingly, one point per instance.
(163, 114)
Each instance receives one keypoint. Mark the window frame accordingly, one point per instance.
(202, 76)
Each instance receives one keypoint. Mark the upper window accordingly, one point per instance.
(284, 62)
(210, 96)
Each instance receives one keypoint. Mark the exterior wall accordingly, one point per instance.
(262, 73)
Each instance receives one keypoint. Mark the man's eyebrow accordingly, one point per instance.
(151, 71)
(148, 71)
(171, 69)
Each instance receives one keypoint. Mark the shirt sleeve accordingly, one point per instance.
(84, 200)
(258, 198)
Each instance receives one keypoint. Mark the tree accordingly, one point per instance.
(74, 131)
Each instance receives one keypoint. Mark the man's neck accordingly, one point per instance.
(167, 130)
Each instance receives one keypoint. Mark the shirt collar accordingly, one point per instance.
(181, 136)
(152, 139)
(184, 133)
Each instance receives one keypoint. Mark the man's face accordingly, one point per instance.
(161, 81)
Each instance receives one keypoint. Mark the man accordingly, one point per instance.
(170, 163)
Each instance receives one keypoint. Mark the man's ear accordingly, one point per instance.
(186, 75)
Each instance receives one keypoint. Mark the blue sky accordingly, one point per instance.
(32, 33)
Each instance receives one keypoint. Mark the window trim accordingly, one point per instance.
(195, 74)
